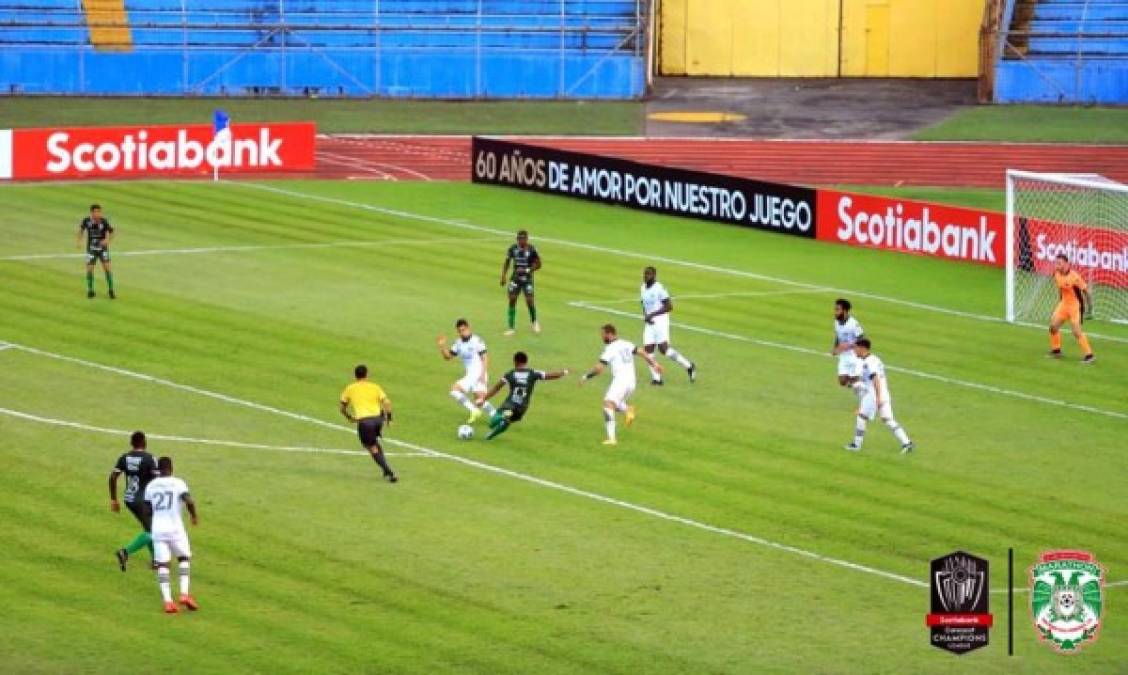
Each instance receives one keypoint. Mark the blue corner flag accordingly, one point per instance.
(222, 120)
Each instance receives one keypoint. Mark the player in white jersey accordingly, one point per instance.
(619, 356)
(471, 350)
(163, 496)
(656, 308)
(847, 331)
(877, 401)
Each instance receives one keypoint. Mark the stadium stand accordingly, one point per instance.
(397, 48)
(1063, 51)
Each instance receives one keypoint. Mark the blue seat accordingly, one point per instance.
(1098, 11)
(418, 48)
(1078, 45)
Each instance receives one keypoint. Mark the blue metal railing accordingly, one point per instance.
(419, 48)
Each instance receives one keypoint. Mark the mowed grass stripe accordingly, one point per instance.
(262, 571)
(849, 523)
(753, 447)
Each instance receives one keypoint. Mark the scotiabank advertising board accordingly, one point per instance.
(1101, 256)
(912, 227)
(153, 151)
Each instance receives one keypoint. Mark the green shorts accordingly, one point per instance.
(94, 255)
(521, 285)
(511, 411)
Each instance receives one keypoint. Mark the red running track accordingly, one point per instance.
(804, 162)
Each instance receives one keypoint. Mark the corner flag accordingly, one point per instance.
(221, 141)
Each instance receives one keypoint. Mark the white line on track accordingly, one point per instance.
(357, 165)
(199, 441)
(645, 256)
(356, 243)
(352, 163)
(908, 371)
(654, 513)
(363, 164)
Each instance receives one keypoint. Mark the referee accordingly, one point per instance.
(365, 404)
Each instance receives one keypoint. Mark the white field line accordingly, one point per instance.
(709, 296)
(908, 371)
(198, 441)
(645, 256)
(654, 513)
(356, 243)
(5, 345)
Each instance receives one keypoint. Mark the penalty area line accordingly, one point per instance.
(198, 441)
(713, 296)
(491, 468)
(898, 369)
(461, 224)
(356, 243)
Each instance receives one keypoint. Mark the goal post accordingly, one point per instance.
(1081, 216)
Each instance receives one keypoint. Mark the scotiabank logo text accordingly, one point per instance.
(912, 227)
(1083, 254)
(1100, 254)
(101, 152)
(137, 152)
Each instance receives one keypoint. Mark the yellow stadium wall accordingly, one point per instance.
(802, 38)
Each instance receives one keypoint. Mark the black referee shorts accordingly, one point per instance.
(369, 429)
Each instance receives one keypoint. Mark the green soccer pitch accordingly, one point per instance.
(727, 532)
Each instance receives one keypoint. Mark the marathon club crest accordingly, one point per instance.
(960, 620)
(1067, 598)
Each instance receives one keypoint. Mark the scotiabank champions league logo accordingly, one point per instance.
(1066, 598)
(960, 620)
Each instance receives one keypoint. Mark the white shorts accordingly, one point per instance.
(657, 332)
(869, 408)
(619, 392)
(167, 546)
(473, 383)
(849, 364)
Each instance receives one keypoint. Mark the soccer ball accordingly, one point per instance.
(466, 432)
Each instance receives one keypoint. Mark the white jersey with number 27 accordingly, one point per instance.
(165, 495)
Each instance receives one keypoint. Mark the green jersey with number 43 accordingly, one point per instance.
(521, 383)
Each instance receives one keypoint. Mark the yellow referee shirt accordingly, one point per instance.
(365, 398)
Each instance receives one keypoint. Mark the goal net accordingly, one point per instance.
(1084, 217)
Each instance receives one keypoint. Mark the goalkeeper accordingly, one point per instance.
(1076, 303)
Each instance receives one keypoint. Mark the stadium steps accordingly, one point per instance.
(1065, 51)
